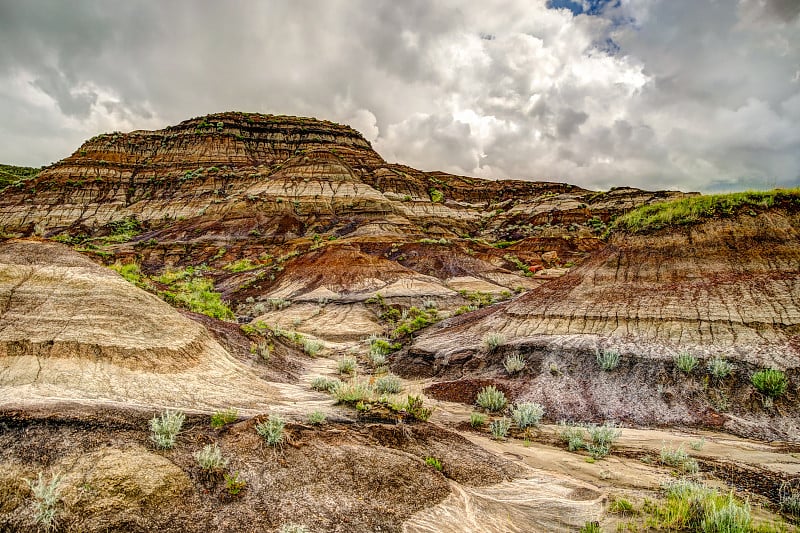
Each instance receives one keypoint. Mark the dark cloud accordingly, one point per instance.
(692, 94)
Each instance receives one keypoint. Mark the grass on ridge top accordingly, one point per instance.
(10, 174)
(695, 208)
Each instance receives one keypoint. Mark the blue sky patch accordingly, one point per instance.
(587, 7)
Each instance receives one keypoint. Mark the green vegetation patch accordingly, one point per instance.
(186, 288)
(11, 175)
(695, 209)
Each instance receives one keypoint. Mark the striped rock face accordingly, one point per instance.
(721, 289)
(72, 331)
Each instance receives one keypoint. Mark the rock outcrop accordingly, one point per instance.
(75, 332)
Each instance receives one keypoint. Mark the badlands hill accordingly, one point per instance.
(235, 260)
(722, 287)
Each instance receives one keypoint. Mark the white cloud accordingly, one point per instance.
(679, 93)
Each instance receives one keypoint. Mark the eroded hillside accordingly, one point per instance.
(269, 273)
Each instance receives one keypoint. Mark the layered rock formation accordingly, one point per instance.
(720, 288)
(222, 188)
(74, 332)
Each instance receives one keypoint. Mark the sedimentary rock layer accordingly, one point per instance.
(72, 331)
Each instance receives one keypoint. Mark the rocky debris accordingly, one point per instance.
(71, 330)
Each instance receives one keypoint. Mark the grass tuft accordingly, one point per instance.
(720, 368)
(514, 363)
(210, 458)
(272, 430)
(164, 428)
(346, 365)
(389, 384)
(493, 341)
(608, 360)
(45, 495)
(222, 418)
(477, 420)
(527, 414)
(685, 362)
(679, 458)
(770, 382)
(316, 418)
(499, 428)
(491, 399)
(325, 384)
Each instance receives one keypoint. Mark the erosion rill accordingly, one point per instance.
(271, 270)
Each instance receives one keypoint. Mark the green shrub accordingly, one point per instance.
(389, 384)
(608, 360)
(477, 420)
(325, 384)
(242, 265)
(221, 418)
(591, 527)
(346, 365)
(352, 392)
(378, 345)
(198, 295)
(491, 398)
(316, 418)
(621, 506)
(234, 484)
(493, 341)
(572, 435)
(272, 431)
(527, 414)
(679, 458)
(164, 428)
(685, 362)
(514, 363)
(264, 351)
(434, 462)
(720, 368)
(729, 517)
(601, 439)
(45, 499)
(499, 428)
(790, 498)
(311, 346)
(416, 410)
(132, 273)
(436, 195)
(770, 382)
(210, 458)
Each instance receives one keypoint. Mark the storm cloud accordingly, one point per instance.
(693, 95)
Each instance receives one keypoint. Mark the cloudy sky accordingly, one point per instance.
(688, 94)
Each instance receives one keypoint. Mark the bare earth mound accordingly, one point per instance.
(72, 331)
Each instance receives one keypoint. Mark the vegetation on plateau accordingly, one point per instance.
(695, 209)
(11, 175)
